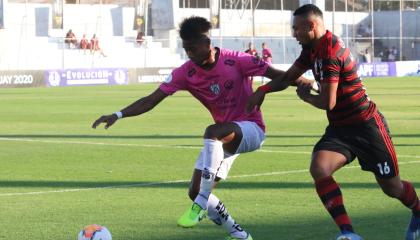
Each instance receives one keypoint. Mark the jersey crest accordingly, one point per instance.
(215, 88)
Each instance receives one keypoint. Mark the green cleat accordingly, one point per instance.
(248, 237)
(192, 216)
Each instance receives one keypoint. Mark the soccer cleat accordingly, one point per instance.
(413, 229)
(192, 216)
(248, 237)
(349, 236)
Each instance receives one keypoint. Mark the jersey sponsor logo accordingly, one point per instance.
(191, 72)
(229, 62)
(318, 69)
(228, 84)
(215, 88)
(168, 79)
(258, 61)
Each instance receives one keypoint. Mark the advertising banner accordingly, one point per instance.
(57, 10)
(141, 6)
(215, 13)
(20, 79)
(379, 69)
(81, 77)
(148, 75)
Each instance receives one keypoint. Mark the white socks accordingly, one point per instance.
(218, 213)
(213, 156)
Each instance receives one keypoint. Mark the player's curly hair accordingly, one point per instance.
(194, 28)
(308, 9)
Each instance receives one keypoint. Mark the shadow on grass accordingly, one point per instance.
(158, 136)
(383, 225)
(178, 184)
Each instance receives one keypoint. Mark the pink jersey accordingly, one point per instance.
(224, 89)
(266, 55)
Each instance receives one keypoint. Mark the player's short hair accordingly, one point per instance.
(193, 28)
(308, 9)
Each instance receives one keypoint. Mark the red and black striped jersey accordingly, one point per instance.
(332, 62)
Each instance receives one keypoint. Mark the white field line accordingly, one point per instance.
(164, 182)
(127, 144)
(153, 146)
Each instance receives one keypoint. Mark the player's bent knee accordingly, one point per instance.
(318, 172)
(211, 132)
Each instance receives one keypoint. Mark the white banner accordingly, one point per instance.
(408, 68)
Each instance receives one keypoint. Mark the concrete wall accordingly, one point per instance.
(29, 42)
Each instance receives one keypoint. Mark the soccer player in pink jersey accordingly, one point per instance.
(266, 53)
(219, 79)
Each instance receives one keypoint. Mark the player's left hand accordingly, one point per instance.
(109, 120)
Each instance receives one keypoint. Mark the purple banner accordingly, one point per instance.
(380, 69)
(80, 77)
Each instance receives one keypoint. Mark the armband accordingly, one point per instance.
(264, 88)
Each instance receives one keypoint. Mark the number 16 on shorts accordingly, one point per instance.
(384, 168)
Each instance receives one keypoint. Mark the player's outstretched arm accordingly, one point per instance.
(139, 107)
(280, 80)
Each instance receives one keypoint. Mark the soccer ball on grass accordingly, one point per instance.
(94, 232)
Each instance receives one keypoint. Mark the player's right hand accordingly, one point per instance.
(109, 120)
(255, 100)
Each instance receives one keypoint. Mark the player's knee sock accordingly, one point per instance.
(410, 199)
(330, 194)
(218, 213)
(213, 157)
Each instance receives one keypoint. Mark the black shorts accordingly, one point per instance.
(370, 142)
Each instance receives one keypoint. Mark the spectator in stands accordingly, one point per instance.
(140, 38)
(364, 31)
(365, 56)
(71, 39)
(393, 54)
(266, 53)
(360, 30)
(251, 50)
(368, 32)
(94, 46)
(84, 44)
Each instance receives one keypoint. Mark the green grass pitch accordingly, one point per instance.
(57, 174)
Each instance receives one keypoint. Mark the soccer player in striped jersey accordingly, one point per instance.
(356, 127)
(219, 79)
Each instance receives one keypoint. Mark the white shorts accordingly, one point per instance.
(252, 139)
